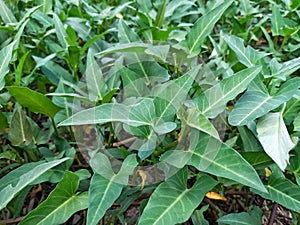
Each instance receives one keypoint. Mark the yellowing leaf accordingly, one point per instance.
(268, 171)
(143, 175)
(216, 196)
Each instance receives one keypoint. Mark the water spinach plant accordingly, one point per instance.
(165, 107)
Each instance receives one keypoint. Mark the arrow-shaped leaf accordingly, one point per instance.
(203, 27)
(102, 194)
(171, 95)
(275, 139)
(283, 191)
(94, 78)
(251, 218)
(256, 103)
(137, 114)
(127, 35)
(10, 191)
(213, 101)
(212, 156)
(172, 202)
(106, 186)
(246, 55)
(62, 202)
(20, 129)
(195, 119)
(282, 71)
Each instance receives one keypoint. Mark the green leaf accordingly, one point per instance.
(94, 78)
(60, 31)
(291, 110)
(17, 204)
(102, 194)
(203, 27)
(146, 147)
(250, 143)
(137, 114)
(10, 191)
(25, 19)
(250, 106)
(256, 103)
(5, 13)
(13, 176)
(34, 101)
(46, 6)
(161, 14)
(213, 101)
(5, 56)
(142, 64)
(195, 119)
(170, 96)
(151, 69)
(294, 165)
(3, 122)
(106, 186)
(198, 217)
(92, 40)
(276, 21)
(19, 70)
(247, 56)
(20, 130)
(275, 139)
(283, 191)
(251, 218)
(173, 202)
(53, 71)
(212, 156)
(126, 34)
(61, 203)
(125, 47)
(283, 70)
(297, 123)
(133, 84)
(259, 160)
(43, 61)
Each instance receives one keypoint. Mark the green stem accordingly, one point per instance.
(285, 39)
(111, 136)
(32, 154)
(162, 150)
(54, 127)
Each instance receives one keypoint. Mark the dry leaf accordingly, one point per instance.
(216, 196)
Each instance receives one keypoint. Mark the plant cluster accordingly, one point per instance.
(161, 104)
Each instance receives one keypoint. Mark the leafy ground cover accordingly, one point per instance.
(149, 112)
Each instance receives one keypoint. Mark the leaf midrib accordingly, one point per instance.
(243, 53)
(5, 60)
(170, 206)
(229, 92)
(254, 109)
(101, 202)
(203, 31)
(226, 169)
(58, 208)
(22, 127)
(283, 194)
(5, 12)
(138, 60)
